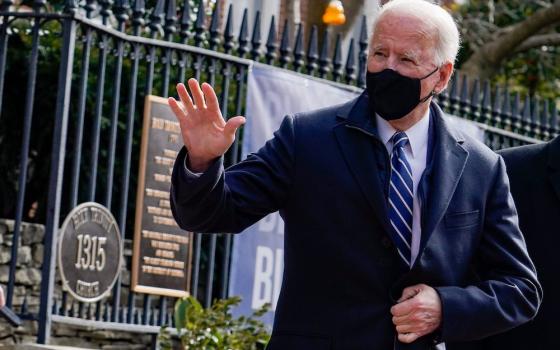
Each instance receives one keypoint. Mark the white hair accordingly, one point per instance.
(438, 20)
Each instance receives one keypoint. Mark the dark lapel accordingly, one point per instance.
(356, 135)
(554, 164)
(444, 172)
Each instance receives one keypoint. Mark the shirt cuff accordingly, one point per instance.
(187, 170)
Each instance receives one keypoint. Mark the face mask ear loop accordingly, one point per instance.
(431, 94)
(432, 72)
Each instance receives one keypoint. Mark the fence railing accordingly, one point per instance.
(80, 139)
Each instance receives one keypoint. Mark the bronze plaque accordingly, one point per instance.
(162, 251)
(89, 252)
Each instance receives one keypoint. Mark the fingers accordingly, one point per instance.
(409, 328)
(211, 98)
(233, 124)
(176, 108)
(403, 308)
(408, 337)
(197, 94)
(409, 292)
(185, 98)
(400, 320)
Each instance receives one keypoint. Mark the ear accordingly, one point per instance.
(444, 75)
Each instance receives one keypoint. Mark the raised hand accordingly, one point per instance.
(206, 134)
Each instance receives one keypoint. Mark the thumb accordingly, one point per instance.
(410, 292)
(233, 124)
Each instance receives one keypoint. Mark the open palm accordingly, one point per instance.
(206, 134)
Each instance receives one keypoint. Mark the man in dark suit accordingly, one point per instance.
(400, 232)
(534, 172)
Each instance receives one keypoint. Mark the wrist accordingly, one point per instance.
(198, 165)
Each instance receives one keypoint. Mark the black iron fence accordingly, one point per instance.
(73, 134)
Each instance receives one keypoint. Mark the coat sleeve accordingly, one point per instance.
(228, 201)
(508, 293)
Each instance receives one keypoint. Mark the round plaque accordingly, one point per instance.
(89, 252)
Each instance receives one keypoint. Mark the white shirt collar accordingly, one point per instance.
(417, 134)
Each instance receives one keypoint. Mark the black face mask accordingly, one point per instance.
(393, 95)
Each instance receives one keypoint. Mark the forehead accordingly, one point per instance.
(403, 33)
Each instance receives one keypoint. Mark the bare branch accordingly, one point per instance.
(552, 39)
(488, 57)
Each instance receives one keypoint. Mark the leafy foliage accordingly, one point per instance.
(215, 328)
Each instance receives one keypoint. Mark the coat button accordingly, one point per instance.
(386, 242)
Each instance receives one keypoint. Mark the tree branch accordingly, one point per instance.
(552, 39)
(488, 57)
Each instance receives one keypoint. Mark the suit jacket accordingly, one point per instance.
(534, 172)
(327, 173)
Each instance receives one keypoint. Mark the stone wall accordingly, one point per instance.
(27, 291)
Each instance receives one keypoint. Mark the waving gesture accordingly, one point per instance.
(206, 134)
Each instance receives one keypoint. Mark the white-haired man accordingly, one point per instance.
(400, 232)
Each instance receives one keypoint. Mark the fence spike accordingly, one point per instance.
(545, 120)
(121, 13)
(170, 20)
(256, 38)
(526, 117)
(554, 124)
(475, 101)
(464, 97)
(285, 46)
(105, 10)
(138, 12)
(350, 63)
(453, 95)
(156, 18)
(228, 31)
(199, 26)
(497, 109)
(535, 118)
(312, 54)
(271, 42)
(243, 36)
(516, 116)
(324, 59)
(506, 114)
(337, 59)
(486, 103)
(362, 56)
(90, 7)
(215, 28)
(185, 23)
(298, 49)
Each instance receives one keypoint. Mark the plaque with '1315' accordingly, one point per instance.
(89, 252)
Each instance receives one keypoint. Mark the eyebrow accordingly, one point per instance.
(376, 47)
(412, 55)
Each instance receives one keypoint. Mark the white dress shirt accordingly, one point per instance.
(416, 151)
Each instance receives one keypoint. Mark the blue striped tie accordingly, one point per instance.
(401, 197)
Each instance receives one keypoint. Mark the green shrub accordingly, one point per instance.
(215, 328)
